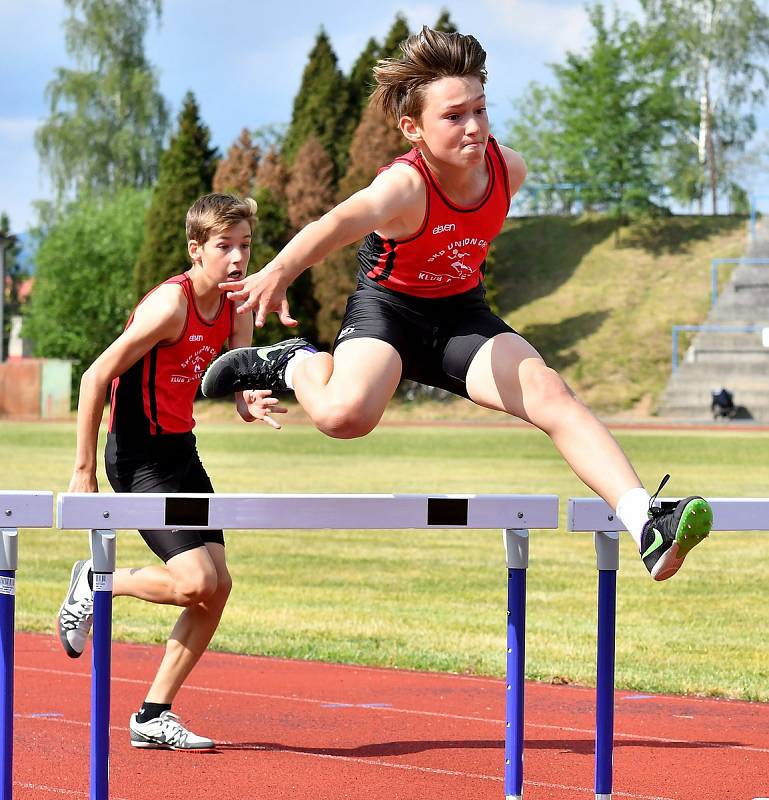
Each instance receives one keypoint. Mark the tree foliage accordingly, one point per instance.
(13, 275)
(186, 171)
(83, 293)
(321, 106)
(237, 172)
(720, 49)
(107, 118)
(310, 187)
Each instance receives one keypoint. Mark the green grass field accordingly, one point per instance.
(435, 600)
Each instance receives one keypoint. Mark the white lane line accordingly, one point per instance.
(641, 737)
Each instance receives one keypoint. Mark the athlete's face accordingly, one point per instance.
(454, 127)
(224, 257)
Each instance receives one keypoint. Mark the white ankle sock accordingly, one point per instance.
(633, 510)
(298, 356)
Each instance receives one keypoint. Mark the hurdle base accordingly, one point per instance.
(603, 797)
(513, 797)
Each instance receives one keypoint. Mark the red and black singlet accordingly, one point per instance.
(156, 394)
(446, 255)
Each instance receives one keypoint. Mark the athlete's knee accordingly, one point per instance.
(347, 420)
(544, 388)
(197, 587)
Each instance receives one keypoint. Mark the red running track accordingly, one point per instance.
(293, 729)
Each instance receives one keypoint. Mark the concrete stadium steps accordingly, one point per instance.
(732, 359)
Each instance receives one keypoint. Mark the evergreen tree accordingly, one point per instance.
(310, 188)
(376, 142)
(361, 81)
(399, 32)
(321, 106)
(107, 118)
(186, 171)
(445, 23)
(237, 172)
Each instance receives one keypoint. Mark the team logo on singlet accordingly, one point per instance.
(450, 262)
(192, 368)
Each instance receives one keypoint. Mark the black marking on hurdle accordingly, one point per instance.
(187, 511)
(446, 511)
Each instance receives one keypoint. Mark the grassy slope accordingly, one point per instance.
(601, 311)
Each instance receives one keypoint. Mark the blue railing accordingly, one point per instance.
(716, 263)
(677, 329)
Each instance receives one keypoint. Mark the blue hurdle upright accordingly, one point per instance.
(17, 510)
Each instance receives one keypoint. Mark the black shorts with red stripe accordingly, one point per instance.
(436, 338)
(167, 464)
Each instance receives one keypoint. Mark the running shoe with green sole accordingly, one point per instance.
(670, 534)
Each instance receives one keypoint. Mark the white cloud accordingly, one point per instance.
(550, 26)
(16, 130)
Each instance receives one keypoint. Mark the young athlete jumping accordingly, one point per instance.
(155, 367)
(419, 310)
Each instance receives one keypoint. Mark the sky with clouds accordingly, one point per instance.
(243, 60)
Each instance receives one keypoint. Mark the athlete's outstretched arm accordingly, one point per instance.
(383, 201)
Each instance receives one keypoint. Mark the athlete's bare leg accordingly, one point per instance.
(346, 395)
(509, 375)
(197, 579)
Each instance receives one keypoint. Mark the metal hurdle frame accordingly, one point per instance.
(103, 514)
(592, 514)
(17, 510)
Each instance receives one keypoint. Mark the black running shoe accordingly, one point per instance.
(670, 534)
(251, 368)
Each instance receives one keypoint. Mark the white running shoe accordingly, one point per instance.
(166, 732)
(76, 613)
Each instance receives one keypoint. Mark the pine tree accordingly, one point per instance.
(362, 78)
(186, 171)
(445, 23)
(399, 32)
(321, 106)
(237, 172)
(310, 189)
(376, 142)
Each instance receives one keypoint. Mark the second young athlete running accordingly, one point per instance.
(154, 368)
(420, 312)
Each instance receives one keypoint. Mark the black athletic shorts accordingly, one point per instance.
(168, 464)
(436, 338)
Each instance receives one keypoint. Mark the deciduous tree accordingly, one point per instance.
(107, 119)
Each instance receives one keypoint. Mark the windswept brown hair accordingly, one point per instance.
(427, 56)
(213, 213)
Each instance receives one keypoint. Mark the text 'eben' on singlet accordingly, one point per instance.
(156, 394)
(446, 255)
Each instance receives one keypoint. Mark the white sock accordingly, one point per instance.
(298, 356)
(633, 510)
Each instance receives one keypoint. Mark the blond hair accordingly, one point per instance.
(213, 213)
(427, 56)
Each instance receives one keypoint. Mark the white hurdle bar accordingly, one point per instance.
(17, 510)
(103, 514)
(592, 514)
